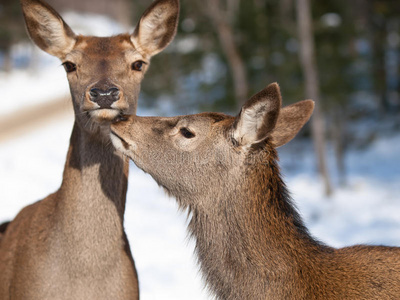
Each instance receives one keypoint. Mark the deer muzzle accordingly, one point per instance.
(104, 98)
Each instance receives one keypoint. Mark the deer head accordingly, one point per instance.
(198, 156)
(104, 73)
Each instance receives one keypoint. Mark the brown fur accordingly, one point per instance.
(250, 241)
(72, 244)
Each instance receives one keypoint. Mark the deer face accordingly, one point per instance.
(176, 150)
(104, 73)
(203, 154)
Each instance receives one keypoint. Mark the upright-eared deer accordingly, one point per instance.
(250, 240)
(72, 244)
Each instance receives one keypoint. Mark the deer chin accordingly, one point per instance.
(121, 145)
(104, 115)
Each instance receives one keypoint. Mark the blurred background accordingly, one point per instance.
(343, 169)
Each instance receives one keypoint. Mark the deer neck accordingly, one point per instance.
(254, 237)
(91, 200)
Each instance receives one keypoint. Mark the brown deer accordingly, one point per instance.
(250, 240)
(72, 244)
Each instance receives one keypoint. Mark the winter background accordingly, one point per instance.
(366, 210)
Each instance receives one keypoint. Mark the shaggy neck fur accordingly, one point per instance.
(252, 242)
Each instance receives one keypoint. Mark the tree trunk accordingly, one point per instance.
(226, 38)
(285, 10)
(339, 137)
(34, 64)
(379, 64)
(7, 63)
(307, 58)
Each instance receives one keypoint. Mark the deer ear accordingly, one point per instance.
(47, 29)
(258, 116)
(157, 27)
(291, 119)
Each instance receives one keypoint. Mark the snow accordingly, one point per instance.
(367, 210)
(24, 90)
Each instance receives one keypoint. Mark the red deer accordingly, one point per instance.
(72, 244)
(250, 240)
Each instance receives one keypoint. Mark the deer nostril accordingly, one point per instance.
(114, 92)
(94, 93)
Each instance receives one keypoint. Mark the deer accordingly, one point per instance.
(72, 244)
(250, 240)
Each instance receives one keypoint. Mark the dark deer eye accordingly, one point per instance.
(137, 65)
(186, 133)
(69, 67)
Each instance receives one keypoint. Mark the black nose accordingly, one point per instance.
(104, 98)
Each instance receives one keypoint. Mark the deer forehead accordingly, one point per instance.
(104, 48)
(193, 122)
(206, 120)
(101, 45)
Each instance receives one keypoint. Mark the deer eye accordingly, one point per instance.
(186, 133)
(69, 67)
(137, 65)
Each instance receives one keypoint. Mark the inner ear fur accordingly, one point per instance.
(157, 27)
(47, 29)
(291, 119)
(258, 116)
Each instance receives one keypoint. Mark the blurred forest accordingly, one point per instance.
(226, 50)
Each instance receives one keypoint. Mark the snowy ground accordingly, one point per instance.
(366, 211)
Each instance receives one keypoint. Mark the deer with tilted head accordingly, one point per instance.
(250, 241)
(72, 244)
